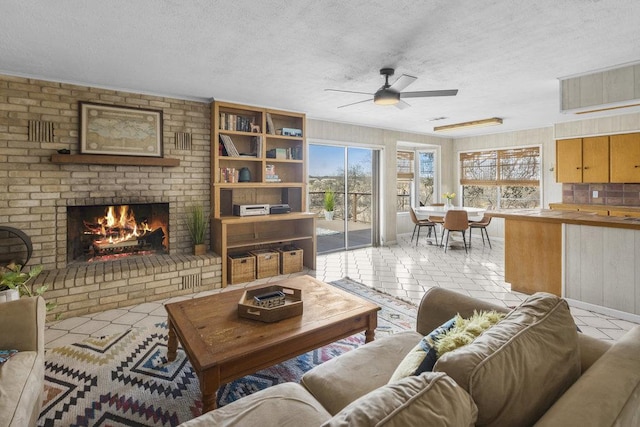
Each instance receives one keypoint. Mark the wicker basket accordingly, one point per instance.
(267, 263)
(290, 259)
(241, 268)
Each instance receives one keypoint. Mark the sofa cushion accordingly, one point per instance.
(429, 399)
(340, 381)
(608, 394)
(21, 387)
(283, 405)
(519, 367)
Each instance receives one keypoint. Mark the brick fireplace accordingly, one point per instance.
(110, 232)
(38, 194)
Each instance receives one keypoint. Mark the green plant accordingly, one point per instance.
(197, 223)
(329, 201)
(12, 277)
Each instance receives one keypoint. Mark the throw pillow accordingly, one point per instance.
(464, 331)
(518, 368)
(452, 334)
(6, 355)
(428, 399)
(423, 356)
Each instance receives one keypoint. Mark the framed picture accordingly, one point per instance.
(121, 131)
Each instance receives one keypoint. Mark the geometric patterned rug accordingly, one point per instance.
(125, 379)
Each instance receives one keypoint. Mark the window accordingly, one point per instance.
(405, 167)
(501, 178)
(427, 177)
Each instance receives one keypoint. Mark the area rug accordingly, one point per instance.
(125, 379)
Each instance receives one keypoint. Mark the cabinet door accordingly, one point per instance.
(595, 159)
(569, 160)
(625, 157)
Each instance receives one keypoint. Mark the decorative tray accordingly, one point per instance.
(270, 304)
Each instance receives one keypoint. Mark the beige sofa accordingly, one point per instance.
(532, 368)
(22, 376)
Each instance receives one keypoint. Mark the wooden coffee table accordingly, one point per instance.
(223, 347)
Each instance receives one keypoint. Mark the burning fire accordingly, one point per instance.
(118, 225)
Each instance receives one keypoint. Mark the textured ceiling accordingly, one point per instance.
(505, 57)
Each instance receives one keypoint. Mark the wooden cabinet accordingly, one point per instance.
(625, 158)
(257, 157)
(582, 159)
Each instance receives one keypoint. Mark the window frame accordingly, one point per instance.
(498, 181)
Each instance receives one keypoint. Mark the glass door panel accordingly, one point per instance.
(326, 177)
(348, 174)
(360, 213)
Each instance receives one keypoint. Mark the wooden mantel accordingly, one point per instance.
(101, 159)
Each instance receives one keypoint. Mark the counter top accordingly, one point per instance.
(566, 217)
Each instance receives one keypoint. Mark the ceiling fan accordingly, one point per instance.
(391, 94)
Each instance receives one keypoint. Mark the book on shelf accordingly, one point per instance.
(235, 122)
(256, 146)
(228, 175)
(270, 128)
(232, 151)
(270, 174)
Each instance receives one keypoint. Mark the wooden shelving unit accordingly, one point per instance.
(243, 137)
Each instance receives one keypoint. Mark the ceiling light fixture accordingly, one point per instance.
(386, 97)
(474, 124)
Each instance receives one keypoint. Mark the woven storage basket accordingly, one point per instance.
(267, 263)
(290, 259)
(241, 268)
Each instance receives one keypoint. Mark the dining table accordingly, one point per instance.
(424, 212)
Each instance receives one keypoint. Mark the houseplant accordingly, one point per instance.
(197, 225)
(329, 204)
(13, 278)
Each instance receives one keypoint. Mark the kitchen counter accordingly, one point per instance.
(566, 217)
(586, 257)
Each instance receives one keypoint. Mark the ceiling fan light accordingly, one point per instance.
(386, 97)
(474, 124)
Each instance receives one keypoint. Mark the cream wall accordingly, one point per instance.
(319, 130)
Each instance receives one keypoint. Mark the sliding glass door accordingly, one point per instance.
(344, 179)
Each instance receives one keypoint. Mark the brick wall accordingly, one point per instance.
(35, 192)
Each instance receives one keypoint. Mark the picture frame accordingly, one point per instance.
(120, 131)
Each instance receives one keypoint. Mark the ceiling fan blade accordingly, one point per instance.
(347, 91)
(401, 105)
(428, 93)
(402, 82)
(354, 103)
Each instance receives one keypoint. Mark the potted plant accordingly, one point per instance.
(197, 225)
(329, 204)
(12, 278)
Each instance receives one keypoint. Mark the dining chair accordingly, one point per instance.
(419, 223)
(482, 225)
(436, 219)
(455, 220)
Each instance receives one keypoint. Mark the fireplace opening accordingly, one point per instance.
(108, 232)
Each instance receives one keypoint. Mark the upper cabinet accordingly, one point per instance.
(582, 160)
(625, 158)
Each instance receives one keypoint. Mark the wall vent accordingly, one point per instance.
(191, 281)
(40, 131)
(183, 141)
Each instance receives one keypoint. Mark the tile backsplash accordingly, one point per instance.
(608, 194)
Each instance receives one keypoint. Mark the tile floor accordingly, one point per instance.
(403, 270)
